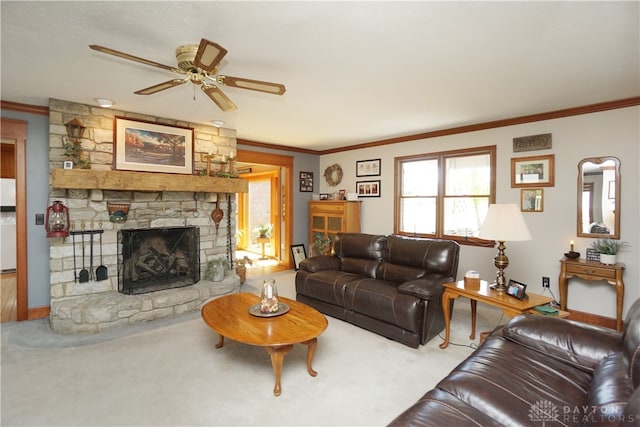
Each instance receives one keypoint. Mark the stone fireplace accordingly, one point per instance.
(156, 202)
(154, 259)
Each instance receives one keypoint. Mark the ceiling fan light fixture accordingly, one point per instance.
(104, 102)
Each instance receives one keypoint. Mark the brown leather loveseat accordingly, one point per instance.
(391, 285)
(541, 371)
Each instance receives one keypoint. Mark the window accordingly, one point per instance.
(445, 195)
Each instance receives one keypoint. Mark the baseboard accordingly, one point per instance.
(38, 312)
(592, 319)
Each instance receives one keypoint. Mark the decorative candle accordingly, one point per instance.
(571, 245)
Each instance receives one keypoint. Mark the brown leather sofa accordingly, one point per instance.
(541, 371)
(391, 285)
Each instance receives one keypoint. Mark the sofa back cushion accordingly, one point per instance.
(631, 342)
(428, 255)
(360, 253)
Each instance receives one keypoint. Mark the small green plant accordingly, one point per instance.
(242, 262)
(73, 149)
(608, 246)
(321, 242)
(263, 230)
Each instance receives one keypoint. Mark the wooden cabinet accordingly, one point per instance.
(330, 217)
(8, 161)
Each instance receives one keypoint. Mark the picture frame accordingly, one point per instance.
(342, 194)
(298, 254)
(370, 167)
(533, 171)
(592, 255)
(532, 200)
(324, 196)
(517, 289)
(368, 188)
(306, 182)
(151, 147)
(67, 164)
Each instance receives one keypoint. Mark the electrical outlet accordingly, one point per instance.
(545, 282)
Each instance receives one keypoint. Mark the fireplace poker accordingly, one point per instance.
(83, 276)
(75, 271)
(101, 271)
(91, 253)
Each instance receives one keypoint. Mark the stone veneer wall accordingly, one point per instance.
(96, 305)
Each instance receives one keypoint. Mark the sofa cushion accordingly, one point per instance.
(609, 391)
(435, 256)
(359, 245)
(360, 267)
(510, 383)
(380, 299)
(398, 273)
(326, 285)
(578, 344)
(320, 262)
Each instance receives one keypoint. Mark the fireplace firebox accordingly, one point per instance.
(153, 259)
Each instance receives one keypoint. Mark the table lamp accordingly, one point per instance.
(504, 222)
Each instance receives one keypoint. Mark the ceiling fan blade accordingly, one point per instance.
(161, 86)
(209, 55)
(267, 87)
(219, 97)
(114, 52)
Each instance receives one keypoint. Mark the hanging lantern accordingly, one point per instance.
(57, 221)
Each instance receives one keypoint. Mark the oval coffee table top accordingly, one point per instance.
(229, 316)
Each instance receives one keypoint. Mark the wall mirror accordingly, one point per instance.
(599, 197)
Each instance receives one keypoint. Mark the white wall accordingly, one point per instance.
(610, 133)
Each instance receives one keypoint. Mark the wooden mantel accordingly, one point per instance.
(143, 181)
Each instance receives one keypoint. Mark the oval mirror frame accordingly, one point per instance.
(599, 191)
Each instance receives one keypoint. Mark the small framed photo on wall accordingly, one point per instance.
(534, 171)
(306, 182)
(532, 200)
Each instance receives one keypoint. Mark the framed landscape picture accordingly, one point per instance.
(151, 147)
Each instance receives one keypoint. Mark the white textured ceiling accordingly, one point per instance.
(355, 72)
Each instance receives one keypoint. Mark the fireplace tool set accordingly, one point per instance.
(84, 275)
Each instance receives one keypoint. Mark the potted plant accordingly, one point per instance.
(608, 249)
(264, 230)
(322, 244)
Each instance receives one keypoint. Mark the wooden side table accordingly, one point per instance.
(592, 270)
(263, 241)
(483, 293)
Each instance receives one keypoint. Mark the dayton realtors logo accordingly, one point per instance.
(544, 411)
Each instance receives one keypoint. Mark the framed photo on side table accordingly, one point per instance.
(151, 147)
(516, 289)
(535, 171)
(299, 254)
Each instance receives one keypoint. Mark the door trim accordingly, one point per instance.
(285, 162)
(17, 131)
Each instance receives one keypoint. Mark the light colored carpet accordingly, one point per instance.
(168, 373)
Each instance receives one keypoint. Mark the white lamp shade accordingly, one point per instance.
(504, 222)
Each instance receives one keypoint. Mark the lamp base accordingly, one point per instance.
(498, 287)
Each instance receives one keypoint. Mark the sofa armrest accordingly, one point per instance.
(321, 262)
(578, 344)
(427, 287)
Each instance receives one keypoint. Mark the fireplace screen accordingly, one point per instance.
(154, 259)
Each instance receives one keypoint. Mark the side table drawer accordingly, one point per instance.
(591, 270)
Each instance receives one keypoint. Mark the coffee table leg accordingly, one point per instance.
(311, 350)
(220, 341)
(277, 357)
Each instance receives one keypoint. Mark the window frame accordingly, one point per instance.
(441, 157)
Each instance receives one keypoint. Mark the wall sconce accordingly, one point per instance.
(73, 145)
(57, 222)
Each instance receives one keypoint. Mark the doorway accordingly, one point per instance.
(14, 284)
(263, 227)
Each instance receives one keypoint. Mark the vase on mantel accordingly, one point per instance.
(608, 259)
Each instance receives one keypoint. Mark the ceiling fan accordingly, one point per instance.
(199, 66)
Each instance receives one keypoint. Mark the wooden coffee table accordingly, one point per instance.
(509, 305)
(229, 317)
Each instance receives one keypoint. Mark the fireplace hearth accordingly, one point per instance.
(154, 259)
